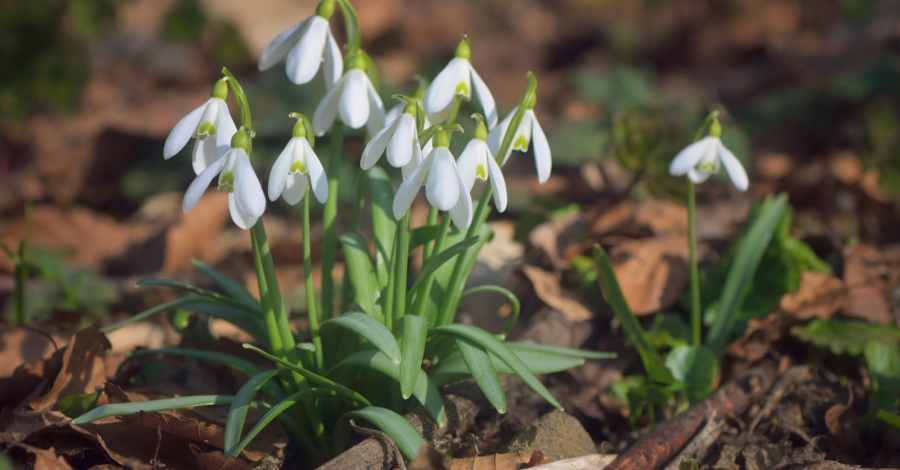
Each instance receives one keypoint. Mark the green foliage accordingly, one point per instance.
(883, 362)
(889, 418)
(669, 330)
(644, 142)
(688, 464)
(185, 22)
(694, 369)
(74, 406)
(228, 45)
(842, 335)
(408, 440)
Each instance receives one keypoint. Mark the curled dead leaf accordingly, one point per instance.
(865, 299)
(820, 295)
(547, 288)
(216, 460)
(83, 368)
(652, 272)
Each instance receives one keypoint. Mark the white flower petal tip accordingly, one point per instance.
(703, 158)
(281, 45)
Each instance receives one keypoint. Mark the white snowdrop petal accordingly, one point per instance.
(305, 58)
(400, 147)
(247, 189)
(392, 114)
(698, 176)
(495, 136)
(486, 99)
(333, 66)
(442, 92)
(199, 185)
(689, 157)
(542, 159)
(441, 187)
(294, 188)
(416, 160)
(183, 131)
(280, 170)
(467, 162)
(317, 175)
(281, 45)
(498, 184)
(407, 191)
(376, 109)
(240, 218)
(205, 153)
(327, 109)
(461, 212)
(372, 153)
(734, 168)
(353, 105)
(225, 129)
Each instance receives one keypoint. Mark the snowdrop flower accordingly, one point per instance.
(212, 127)
(704, 157)
(246, 200)
(288, 177)
(477, 162)
(455, 82)
(306, 45)
(399, 139)
(355, 98)
(417, 94)
(529, 129)
(444, 186)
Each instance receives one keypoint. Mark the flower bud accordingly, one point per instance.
(220, 90)
(441, 139)
(240, 139)
(325, 9)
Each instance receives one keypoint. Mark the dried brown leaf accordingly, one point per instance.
(652, 272)
(865, 300)
(83, 369)
(510, 461)
(820, 295)
(547, 288)
(216, 460)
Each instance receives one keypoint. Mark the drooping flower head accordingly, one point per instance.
(456, 82)
(210, 124)
(354, 98)
(703, 158)
(477, 162)
(246, 200)
(529, 130)
(288, 178)
(444, 186)
(307, 45)
(400, 140)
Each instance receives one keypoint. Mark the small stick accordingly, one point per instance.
(705, 438)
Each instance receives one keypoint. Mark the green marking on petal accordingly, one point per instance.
(206, 129)
(708, 167)
(462, 89)
(480, 172)
(521, 143)
(298, 167)
(226, 182)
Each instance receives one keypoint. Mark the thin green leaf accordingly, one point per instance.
(422, 235)
(741, 272)
(452, 368)
(425, 390)
(277, 410)
(443, 275)
(74, 406)
(694, 369)
(438, 260)
(404, 435)
(229, 285)
(415, 329)
(196, 290)
(177, 303)
(562, 351)
(889, 418)
(370, 329)
(488, 342)
(480, 368)
(312, 377)
(238, 317)
(106, 411)
(362, 274)
(383, 224)
(883, 362)
(237, 413)
(653, 363)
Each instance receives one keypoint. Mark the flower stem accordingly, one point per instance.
(329, 234)
(425, 291)
(427, 249)
(310, 291)
(21, 270)
(695, 277)
(401, 253)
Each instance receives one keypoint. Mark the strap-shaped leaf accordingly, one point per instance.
(408, 440)
(438, 260)
(370, 329)
(362, 274)
(425, 390)
(415, 329)
(479, 364)
(489, 343)
(238, 317)
(237, 413)
(229, 285)
(383, 224)
(653, 363)
(311, 376)
(149, 313)
(452, 368)
(116, 409)
(422, 235)
(196, 290)
(558, 350)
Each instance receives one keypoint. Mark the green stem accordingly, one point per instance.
(428, 247)
(275, 343)
(695, 276)
(310, 291)
(513, 300)
(359, 202)
(401, 252)
(424, 292)
(21, 269)
(389, 290)
(329, 233)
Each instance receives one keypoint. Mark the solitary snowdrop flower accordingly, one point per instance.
(455, 82)
(704, 158)
(246, 200)
(288, 177)
(355, 98)
(306, 45)
(444, 186)
(399, 140)
(210, 124)
(529, 129)
(477, 162)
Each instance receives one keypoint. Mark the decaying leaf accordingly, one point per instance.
(216, 460)
(865, 300)
(83, 369)
(431, 459)
(820, 295)
(652, 272)
(547, 288)
(555, 236)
